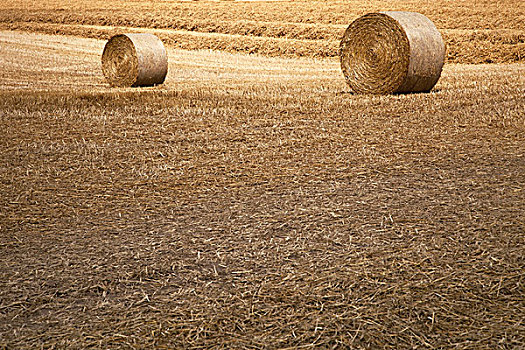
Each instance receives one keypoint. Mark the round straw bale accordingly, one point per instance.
(392, 52)
(136, 59)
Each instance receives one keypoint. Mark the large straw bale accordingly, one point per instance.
(136, 59)
(392, 52)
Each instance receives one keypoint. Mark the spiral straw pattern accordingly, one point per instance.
(136, 59)
(392, 52)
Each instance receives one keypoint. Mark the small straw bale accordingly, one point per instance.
(392, 52)
(136, 59)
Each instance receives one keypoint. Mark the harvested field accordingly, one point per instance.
(252, 202)
(475, 31)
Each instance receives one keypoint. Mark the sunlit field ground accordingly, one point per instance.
(254, 202)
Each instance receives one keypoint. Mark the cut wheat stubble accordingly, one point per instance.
(137, 59)
(392, 52)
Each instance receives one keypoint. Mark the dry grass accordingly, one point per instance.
(475, 31)
(252, 202)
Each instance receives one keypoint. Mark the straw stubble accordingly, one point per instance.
(392, 52)
(136, 59)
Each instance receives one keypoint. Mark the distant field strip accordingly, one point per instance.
(192, 40)
(487, 35)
